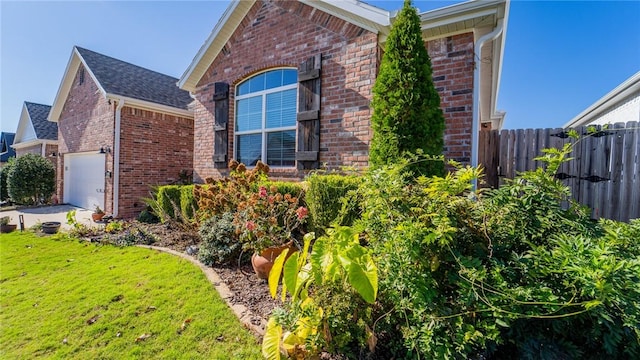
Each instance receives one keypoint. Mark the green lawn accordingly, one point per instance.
(62, 298)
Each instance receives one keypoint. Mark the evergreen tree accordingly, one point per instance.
(406, 106)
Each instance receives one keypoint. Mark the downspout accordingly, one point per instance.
(475, 124)
(116, 158)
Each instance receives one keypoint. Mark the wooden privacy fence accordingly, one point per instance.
(603, 175)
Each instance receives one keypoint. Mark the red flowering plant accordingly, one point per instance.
(268, 218)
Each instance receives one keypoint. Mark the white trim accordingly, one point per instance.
(151, 106)
(476, 118)
(116, 159)
(628, 87)
(185, 81)
(33, 142)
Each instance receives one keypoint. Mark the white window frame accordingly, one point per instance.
(263, 130)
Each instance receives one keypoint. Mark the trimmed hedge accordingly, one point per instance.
(188, 203)
(326, 198)
(284, 187)
(168, 198)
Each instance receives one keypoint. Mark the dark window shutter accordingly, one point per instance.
(309, 113)
(221, 139)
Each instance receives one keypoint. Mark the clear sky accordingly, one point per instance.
(559, 57)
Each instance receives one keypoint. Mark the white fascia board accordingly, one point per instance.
(67, 81)
(380, 17)
(623, 90)
(27, 144)
(23, 123)
(151, 106)
(456, 10)
(186, 81)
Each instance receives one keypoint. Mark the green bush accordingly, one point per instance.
(188, 203)
(504, 273)
(168, 198)
(4, 174)
(31, 180)
(327, 199)
(220, 244)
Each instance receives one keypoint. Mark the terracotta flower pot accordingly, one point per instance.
(263, 262)
(97, 217)
(8, 228)
(51, 227)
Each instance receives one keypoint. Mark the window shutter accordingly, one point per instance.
(309, 113)
(221, 113)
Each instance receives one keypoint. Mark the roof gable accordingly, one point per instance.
(117, 78)
(353, 11)
(44, 129)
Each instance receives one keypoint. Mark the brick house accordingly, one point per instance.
(35, 134)
(121, 129)
(290, 82)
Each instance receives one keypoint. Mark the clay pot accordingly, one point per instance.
(50, 227)
(97, 217)
(263, 262)
(8, 228)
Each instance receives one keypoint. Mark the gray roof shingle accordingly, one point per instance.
(121, 78)
(45, 130)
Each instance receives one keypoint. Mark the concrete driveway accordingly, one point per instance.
(35, 215)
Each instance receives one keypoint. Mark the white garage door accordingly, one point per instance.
(84, 180)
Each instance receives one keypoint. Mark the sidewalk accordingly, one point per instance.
(35, 215)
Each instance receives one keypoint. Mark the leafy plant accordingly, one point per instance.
(4, 171)
(327, 197)
(31, 180)
(268, 218)
(114, 227)
(4, 220)
(220, 244)
(335, 260)
(406, 106)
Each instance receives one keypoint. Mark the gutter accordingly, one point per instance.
(116, 157)
(475, 118)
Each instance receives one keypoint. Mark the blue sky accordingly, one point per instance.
(559, 57)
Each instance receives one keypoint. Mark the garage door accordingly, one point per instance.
(84, 180)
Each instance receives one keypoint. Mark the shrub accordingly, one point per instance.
(327, 199)
(188, 203)
(168, 198)
(4, 174)
(407, 117)
(220, 244)
(295, 189)
(500, 273)
(31, 180)
(147, 216)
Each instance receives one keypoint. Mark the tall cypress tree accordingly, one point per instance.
(406, 106)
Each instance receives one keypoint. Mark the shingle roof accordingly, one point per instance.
(45, 130)
(121, 78)
(6, 139)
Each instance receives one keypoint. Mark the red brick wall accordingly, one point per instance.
(349, 67)
(453, 63)
(35, 149)
(284, 33)
(155, 147)
(86, 123)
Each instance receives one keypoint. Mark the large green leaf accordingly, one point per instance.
(364, 278)
(322, 260)
(271, 340)
(276, 271)
(290, 276)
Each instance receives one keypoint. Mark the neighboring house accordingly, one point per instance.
(622, 104)
(290, 82)
(6, 151)
(121, 129)
(36, 134)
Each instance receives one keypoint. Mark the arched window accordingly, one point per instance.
(265, 124)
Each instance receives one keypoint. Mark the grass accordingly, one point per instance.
(65, 299)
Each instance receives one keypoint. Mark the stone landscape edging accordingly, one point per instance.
(244, 315)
